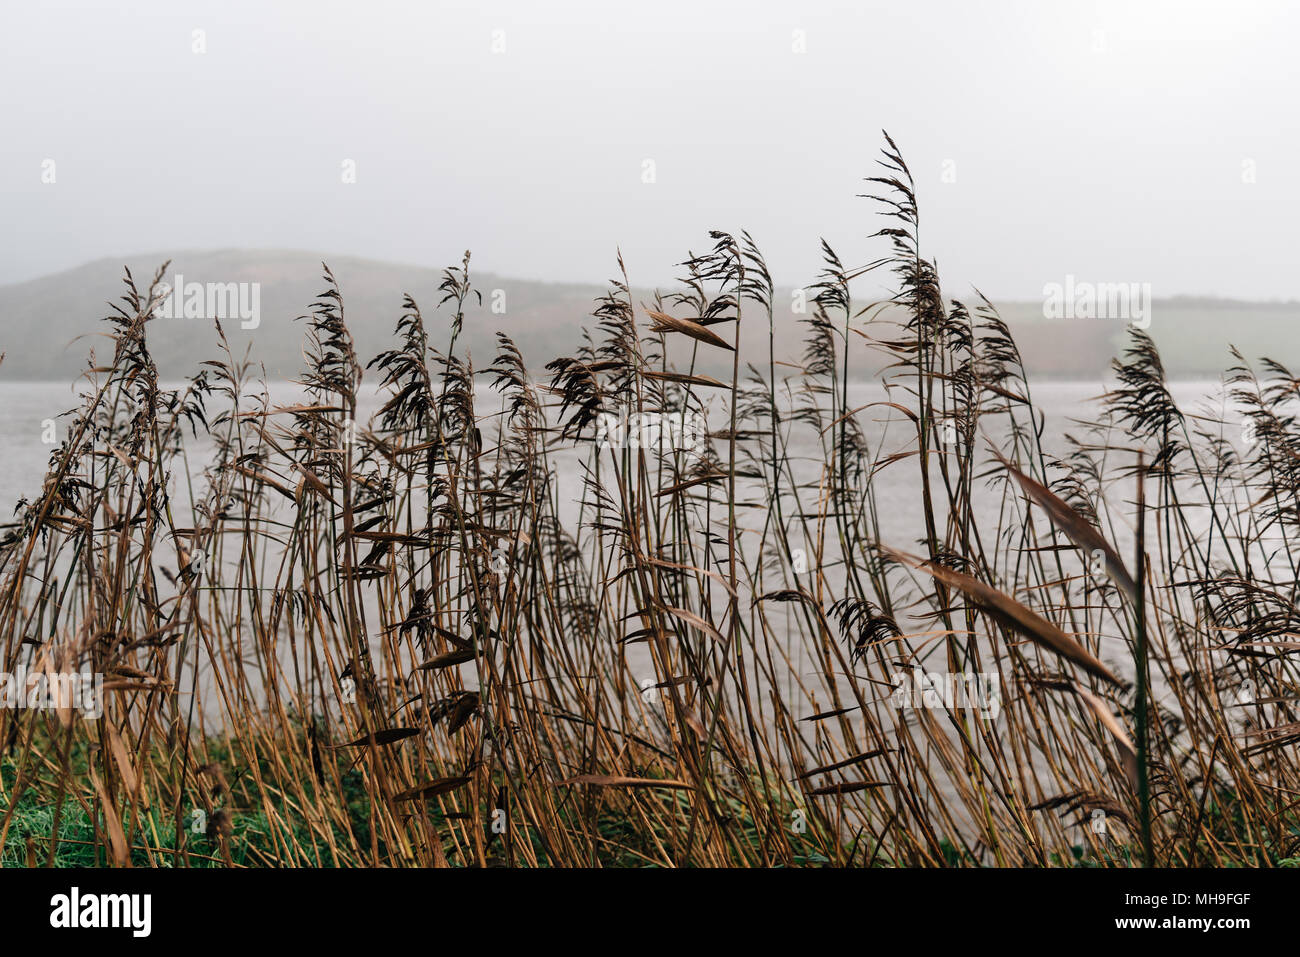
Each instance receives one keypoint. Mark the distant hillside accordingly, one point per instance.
(49, 325)
(40, 319)
(1192, 333)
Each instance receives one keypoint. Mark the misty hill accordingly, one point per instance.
(40, 319)
(49, 325)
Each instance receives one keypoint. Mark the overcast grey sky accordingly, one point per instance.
(1112, 141)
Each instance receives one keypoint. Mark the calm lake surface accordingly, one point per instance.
(27, 407)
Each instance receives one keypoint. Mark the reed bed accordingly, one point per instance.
(392, 643)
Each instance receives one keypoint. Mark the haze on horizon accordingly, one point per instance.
(1109, 141)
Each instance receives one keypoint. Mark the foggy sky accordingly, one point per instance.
(1108, 141)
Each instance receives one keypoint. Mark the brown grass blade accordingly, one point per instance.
(666, 323)
(1127, 752)
(432, 788)
(381, 737)
(849, 787)
(112, 821)
(1014, 615)
(1075, 527)
(613, 781)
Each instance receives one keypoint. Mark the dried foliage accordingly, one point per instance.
(399, 642)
